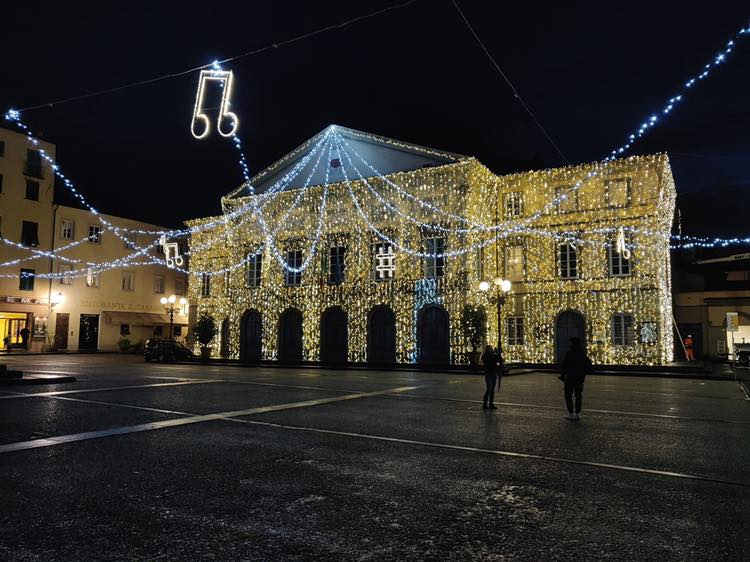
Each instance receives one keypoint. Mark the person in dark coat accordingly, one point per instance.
(575, 367)
(25, 333)
(490, 360)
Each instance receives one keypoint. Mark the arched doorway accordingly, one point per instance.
(569, 324)
(381, 335)
(290, 336)
(433, 336)
(334, 335)
(224, 349)
(251, 336)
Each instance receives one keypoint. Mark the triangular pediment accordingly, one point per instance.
(363, 155)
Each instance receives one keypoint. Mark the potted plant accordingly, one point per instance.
(205, 330)
(124, 345)
(474, 326)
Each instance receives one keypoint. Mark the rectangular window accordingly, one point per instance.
(95, 234)
(513, 204)
(383, 261)
(567, 261)
(2, 148)
(179, 286)
(30, 233)
(27, 280)
(618, 192)
(33, 166)
(159, 284)
(336, 264)
(514, 263)
(1, 183)
(619, 265)
(67, 229)
(567, 200)
(254, 270)
(434, 264)
(622, 329)
(124, 329)
(158, 331)
(92, 278)
(205, 285)
(65, 269)
(293, 259)
(515, 330)
(128, 281)
(32, 190)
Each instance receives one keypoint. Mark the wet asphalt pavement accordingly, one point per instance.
(139, 461)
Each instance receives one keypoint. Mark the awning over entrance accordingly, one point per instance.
(140, 318)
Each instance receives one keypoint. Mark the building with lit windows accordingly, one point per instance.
(385, 243)
(89, 310)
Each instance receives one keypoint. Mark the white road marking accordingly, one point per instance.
(497, 452)
(85, 390)
(74, 437)
(120, 405)
(35, 371)
(587, 410)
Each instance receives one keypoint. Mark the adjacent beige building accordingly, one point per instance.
(82, 307)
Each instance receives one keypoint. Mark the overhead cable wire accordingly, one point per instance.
(510, 84)
(275, 45)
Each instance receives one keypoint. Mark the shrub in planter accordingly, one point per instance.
(474, 327)
(205, 330)
(124, 345)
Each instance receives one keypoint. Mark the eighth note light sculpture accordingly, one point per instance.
(226, 78)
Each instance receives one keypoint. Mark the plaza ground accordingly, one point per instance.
(191, 462)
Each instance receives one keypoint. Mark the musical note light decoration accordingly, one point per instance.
(227, 79)
(172, 255)
(621, 247)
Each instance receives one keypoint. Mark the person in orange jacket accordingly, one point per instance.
(689, 348)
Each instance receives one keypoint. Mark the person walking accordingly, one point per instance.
(7, 343)
(490, 360)
(689, 355)
(576, 365)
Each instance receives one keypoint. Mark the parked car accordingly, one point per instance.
(161, 349)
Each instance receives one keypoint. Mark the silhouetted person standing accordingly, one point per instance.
(575, 367)
(490, 360)
(25, 333)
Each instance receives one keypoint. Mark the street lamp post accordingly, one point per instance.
(168, 304)
(502, 288)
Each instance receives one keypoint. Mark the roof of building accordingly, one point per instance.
(364, 155)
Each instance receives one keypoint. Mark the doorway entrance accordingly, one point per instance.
(569, 324)
(290, 336)
(381, 336)
(62, 324)
(11, 324)
(251, 336)
(88, 333)
(224, 348)
(433, 336)
(334, 335)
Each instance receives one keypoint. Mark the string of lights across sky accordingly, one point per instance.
(253, 209)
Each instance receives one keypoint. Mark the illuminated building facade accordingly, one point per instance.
(444, 223)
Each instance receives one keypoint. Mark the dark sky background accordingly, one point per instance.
(591, 71)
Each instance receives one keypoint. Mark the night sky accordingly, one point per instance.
(591, 72)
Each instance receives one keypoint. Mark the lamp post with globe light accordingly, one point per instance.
(169, 306)
(501, 288)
